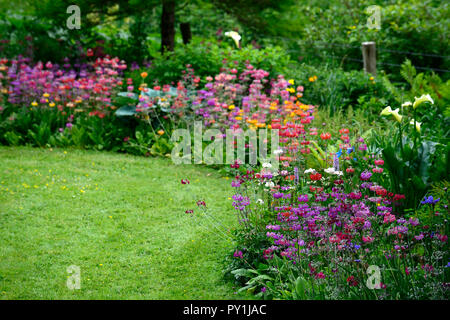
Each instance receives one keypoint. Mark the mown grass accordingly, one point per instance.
(120, 218)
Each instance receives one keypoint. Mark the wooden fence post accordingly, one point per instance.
(369, 57)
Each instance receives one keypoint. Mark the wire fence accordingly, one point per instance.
(323, 44)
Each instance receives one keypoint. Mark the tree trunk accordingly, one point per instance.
(186, 32)
(168, 26)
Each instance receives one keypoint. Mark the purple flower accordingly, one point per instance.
(430, 200)
(263, 289)
(238, 254)
(278, 195)
(419, 237)
(235, 183)
(365, 175)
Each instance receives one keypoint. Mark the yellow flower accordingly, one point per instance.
(51, 104)
(291, 81)
(231, 107)
(371, 78)
(46, 95)
(291, 90)
(422, 99)
(34, 103)
(238, 118)
(160, 132)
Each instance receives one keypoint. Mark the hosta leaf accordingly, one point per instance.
(126, 111)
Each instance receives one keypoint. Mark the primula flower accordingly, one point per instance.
(365, 175)
(422, 99)
(325, 136)
(352, 282)
(315, 176)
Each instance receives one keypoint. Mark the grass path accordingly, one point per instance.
(120, 218)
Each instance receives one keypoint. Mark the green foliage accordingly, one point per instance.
(415, 160)
(418, 84)
(338, 90)
(207, 59)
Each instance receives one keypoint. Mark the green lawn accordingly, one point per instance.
(120, 218)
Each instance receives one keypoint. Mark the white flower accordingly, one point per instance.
(267, 165)
(260, 201)
(235, 36)
(418, 124)
(270, 184)
(407, 104)
(422, 99)
(310, 170)
(279, 151)
(339, 173)
(330, 170)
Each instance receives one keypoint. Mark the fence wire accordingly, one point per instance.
(322, 44)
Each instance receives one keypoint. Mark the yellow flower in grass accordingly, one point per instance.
(388, 111)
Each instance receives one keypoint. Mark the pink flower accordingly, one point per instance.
(367, 239)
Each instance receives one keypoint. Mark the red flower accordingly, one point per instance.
(352, 282)
(325, 136)
(315, 176)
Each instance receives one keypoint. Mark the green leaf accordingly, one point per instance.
(126, 111)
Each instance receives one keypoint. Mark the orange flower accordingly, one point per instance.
(144, 74)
